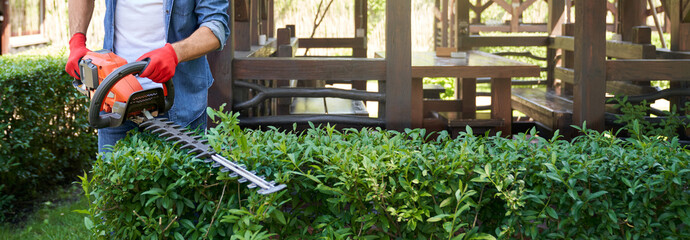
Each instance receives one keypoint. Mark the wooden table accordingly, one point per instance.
(477, 64)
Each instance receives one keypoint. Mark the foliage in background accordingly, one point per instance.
(44, 136)
(371, 184)
(54, 219)
(634, 122)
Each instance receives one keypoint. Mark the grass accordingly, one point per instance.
(54, 219)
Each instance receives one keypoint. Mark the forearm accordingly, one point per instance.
(80, 12)
(201, 42)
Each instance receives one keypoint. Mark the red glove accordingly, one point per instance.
(77, 50)
(162, 64)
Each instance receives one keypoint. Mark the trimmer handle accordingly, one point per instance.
(99, 121)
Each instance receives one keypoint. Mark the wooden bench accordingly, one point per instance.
(546, 107)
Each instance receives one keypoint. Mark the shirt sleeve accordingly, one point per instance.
(213, 15)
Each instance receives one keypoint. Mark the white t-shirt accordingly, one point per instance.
(139, 28)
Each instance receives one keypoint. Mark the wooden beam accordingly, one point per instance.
(221, 68)
(663, 53)
(616, 49)
(590, 64)
(308, 68)
(534, 27)
(332, 42)
(438, 105)
(648, 69)
(501, 41)
(565, 74)
(398, 66)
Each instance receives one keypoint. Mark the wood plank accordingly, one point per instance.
(562, 42)
(648, 69)
(616, 49)
(500, 104)
(590, 64)
(477, 64)
(310, 69)
(663, 53)
(501, 41)
(545, 107)
(534, 27)
(398, 67)
(332, 42)
(438, 105)
(628, 50)
(565, 74)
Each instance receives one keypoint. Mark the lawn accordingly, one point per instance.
(55, 219)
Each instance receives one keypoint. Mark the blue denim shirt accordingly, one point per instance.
(192, 78)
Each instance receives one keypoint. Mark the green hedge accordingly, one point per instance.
(44, 139)
(371, 184)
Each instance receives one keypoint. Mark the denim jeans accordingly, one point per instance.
(108, 137)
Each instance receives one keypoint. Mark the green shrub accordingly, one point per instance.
(635, 124)
(44, 139)
(371, 184)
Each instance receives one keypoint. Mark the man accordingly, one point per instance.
(173, 35)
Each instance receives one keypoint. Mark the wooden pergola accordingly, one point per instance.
(582, 65)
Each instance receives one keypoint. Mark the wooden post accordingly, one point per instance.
(361, 21)
(500, 93)
(5, 27)
(568, 60)
(360, 31)
(554, 28)
(631, 13)
(444, 23)
(255, 22)
(680, 37)
(462, 11)
(590, 64)
(242, 26)
(221, 69)
(398, 85)
(271, 27)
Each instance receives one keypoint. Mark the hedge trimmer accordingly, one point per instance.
(116, 96)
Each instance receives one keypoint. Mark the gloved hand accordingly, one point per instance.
(162, 64)
(77, 50)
